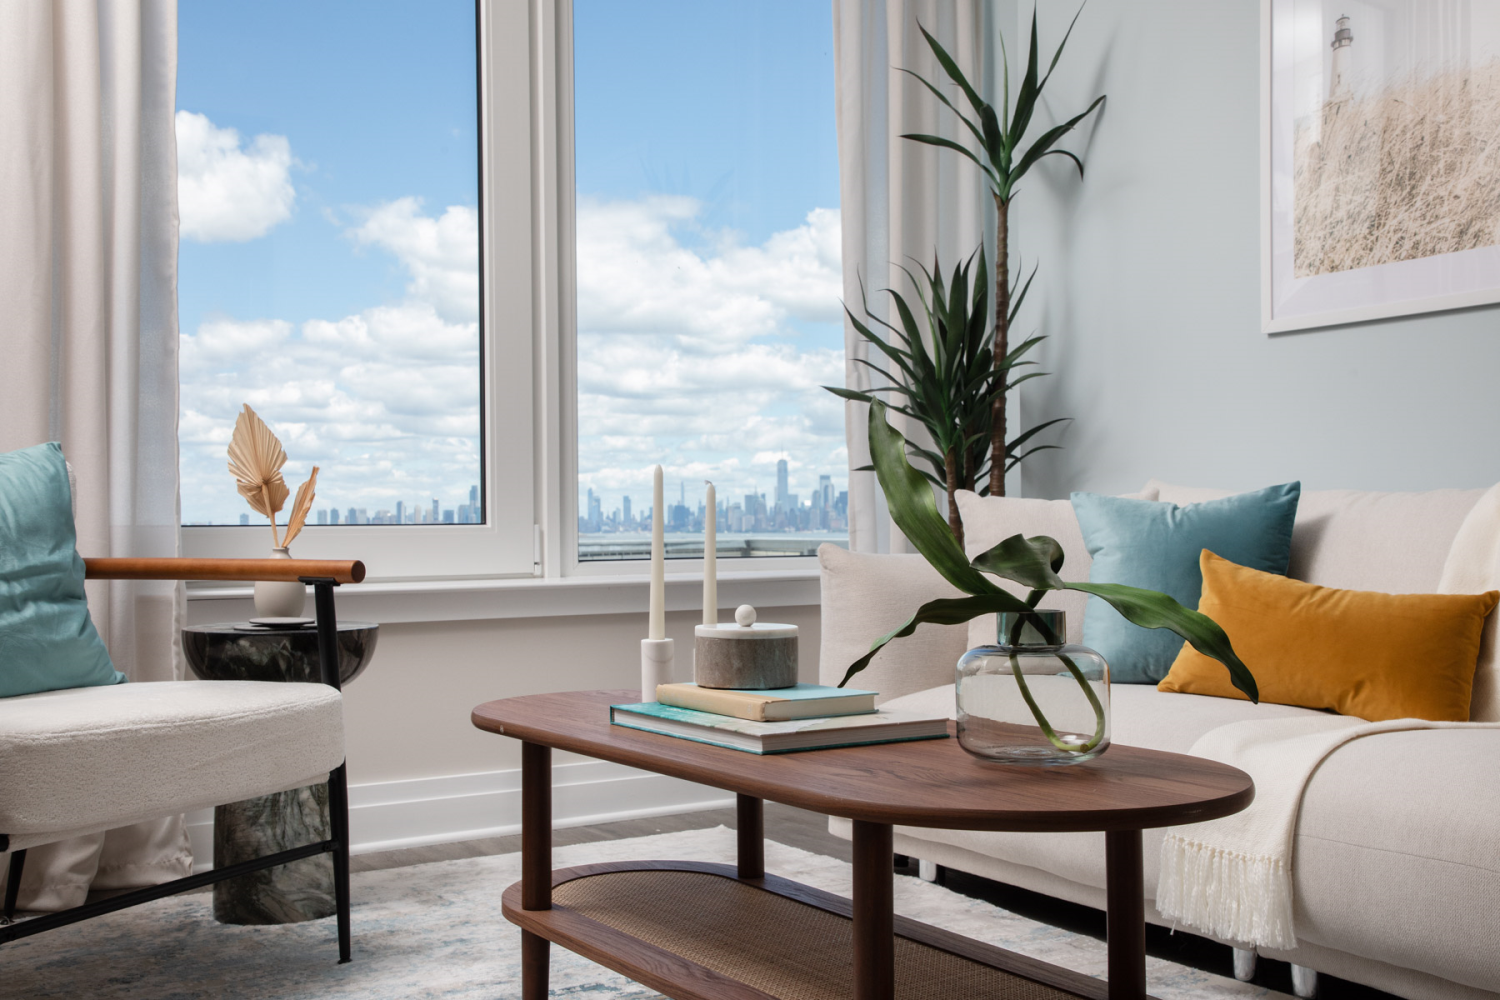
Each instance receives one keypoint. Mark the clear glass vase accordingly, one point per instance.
(1031, 698)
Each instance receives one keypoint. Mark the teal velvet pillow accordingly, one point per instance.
(47, 640)
(1144, 543)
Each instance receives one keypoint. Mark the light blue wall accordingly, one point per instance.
(1150, 284)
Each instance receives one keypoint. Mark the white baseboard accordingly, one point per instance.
(391, 815)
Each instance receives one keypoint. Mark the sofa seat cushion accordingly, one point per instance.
(100, 757)
(1395, 854)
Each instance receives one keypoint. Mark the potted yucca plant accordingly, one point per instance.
(946, 377)
(1004, 158)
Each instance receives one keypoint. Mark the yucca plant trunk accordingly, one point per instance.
(1002, 342)
(955, 523)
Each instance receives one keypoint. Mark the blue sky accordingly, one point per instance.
(378, 103)
(327, 267)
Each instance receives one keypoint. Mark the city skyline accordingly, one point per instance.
(825, 509)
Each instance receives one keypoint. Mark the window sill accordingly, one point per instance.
(527, 597)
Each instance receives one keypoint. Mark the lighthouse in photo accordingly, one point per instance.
(1338, 82)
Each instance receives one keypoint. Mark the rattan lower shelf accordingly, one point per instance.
(696, 931)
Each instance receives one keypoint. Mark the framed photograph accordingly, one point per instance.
(1380, 158)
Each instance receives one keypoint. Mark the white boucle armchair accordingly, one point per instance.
(82, 760)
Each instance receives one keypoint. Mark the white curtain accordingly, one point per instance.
(88, 289)
(899, 199)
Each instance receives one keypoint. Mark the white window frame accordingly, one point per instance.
(505, 545)
(530, 434)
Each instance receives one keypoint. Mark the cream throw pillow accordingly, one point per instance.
(864, 597)
(990, 520)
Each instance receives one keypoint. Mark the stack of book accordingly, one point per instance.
(780, 720)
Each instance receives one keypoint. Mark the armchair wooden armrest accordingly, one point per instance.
(183, 568)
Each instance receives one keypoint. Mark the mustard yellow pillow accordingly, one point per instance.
(1357, 652)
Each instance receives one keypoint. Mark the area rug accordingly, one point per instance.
(435, 930)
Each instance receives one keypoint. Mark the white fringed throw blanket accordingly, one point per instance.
(1232, 877)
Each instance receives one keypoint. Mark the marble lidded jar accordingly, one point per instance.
(745, 654)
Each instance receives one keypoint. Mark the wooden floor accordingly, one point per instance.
(809, 831)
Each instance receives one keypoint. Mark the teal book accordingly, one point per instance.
(777, 737)
(804, 701)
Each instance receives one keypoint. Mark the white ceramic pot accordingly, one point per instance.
(280, 598)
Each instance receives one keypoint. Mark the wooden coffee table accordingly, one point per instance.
(697, 931)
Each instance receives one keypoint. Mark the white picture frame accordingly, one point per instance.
(1292, 41)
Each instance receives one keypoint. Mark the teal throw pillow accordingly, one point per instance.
(47, 640)
(1144, 543)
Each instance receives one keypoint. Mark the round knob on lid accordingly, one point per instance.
(744, 616)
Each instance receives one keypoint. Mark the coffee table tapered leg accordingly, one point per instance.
(1126, 901)
(874, 932)
(536, 863)
(750, 836)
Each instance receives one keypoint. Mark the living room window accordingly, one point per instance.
(421, 170)
(707, 277)
(333, 235)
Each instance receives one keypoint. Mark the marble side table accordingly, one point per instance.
(302, 890)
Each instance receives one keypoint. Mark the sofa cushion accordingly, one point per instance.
(988, 521)
(1356, 652)
(1395, 851)
(1392, 542)
(100, 757)
(867, 595)
(1139, 716)
(47, 639)
(1156, 545)
(1396, 855)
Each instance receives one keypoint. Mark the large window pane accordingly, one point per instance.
(329, 270)
(708, 275)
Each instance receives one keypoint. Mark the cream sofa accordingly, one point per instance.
(1397, 855)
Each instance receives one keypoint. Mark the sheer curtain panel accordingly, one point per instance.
(88, 287)
(900, 199)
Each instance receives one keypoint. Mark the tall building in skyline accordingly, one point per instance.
(782, 489)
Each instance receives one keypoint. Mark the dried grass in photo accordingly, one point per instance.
(1410, 172)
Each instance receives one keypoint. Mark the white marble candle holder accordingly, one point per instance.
(656, 666)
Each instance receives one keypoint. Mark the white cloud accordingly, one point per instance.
(706, 357)
(636, 276)
(441, 254)
(227, 192)
(689, 355)
(385, 400)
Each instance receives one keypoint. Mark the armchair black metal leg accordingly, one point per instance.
(338, 820)
(338, 783)
(13, 884)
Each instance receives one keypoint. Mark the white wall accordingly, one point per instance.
(408, 716)
(1150, 280)
(420, 773)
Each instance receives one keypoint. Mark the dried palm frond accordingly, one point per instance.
(301, 507)
(255, 461)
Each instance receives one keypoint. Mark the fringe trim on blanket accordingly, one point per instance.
(1234, 896)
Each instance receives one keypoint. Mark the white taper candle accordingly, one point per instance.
(710, 559)
(656, 627)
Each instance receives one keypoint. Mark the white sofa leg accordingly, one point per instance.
(928, 870)
(1304, 982)
(1244, 964)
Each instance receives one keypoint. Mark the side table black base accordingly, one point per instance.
(286, 894)
(302, 890)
